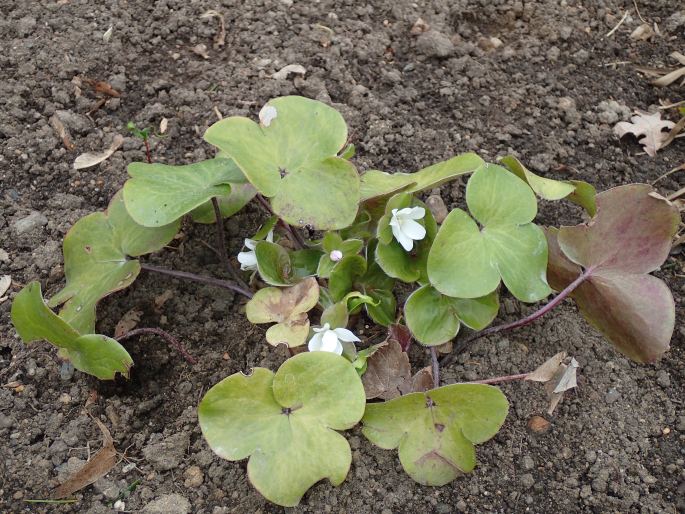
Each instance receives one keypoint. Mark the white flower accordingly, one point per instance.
(248, 260)
(405, 229)
(327, 339)
(336, 255)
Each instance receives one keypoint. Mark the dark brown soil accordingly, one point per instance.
(550, 93)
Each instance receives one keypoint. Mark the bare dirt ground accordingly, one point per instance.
(551, 93)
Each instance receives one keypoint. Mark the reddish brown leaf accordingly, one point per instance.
(388, 374)
(629, 237)
(401, 334)
(98, 466)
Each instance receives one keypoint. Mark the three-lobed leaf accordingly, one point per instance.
(291, 157)
(95, 354)
(436, 431)
(96, 260)
(629, 237)
(286, 423)
(466, 261)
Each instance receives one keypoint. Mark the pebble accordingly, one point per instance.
(528, 463)
(6, 421)
(168, 504)
(611, 396)
(168, 453)
(527, 480)
(434, 44)
(30, 222)
(663, 378)
(193, 477)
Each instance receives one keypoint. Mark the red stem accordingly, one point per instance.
(436, 367)
(523, 321)
(224, 284)
(171, 340)
(147, 151)
(221, 241)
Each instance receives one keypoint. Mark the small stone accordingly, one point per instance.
(585, 491)
(527, 480)
(6, 421)
(443, 508)
(538, 425)
(193, 477)
(107, 488)
(611, 396)
(30, 222)
(168, 453)
(434, 44)
(461, 506)
(528, 462)
(168, 504)
(663, 378)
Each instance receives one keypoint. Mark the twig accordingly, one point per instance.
(224, 284)
(611, 32)
(638, 12)
(221, 241)
(449, 359)
(171, 340)
(497, 380)
(436, 367)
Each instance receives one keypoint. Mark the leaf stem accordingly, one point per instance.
(436, 367)
(221, 242)
(293, 234)
(171, 340)
(461, 345)
(497, 380)
(224, 284)
(148, 156)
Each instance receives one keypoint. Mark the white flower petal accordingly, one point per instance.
(325, 327)
(250, 243)
(315, 343)
(411, 228)
(270, 236)
(329, 342)
(346, 335)
(406, 242)
(416, 213)
(247, 260)
(267, 114)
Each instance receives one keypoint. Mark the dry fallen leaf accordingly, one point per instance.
(563, 380)
(88, 159)
(100, 86)
(647, 128)
(437, 207)
(161, 299)
(5, 283)
(401, 334)
(546, 371)
(128, 322)
(62, 132)
(388, 374)
(285, 72)
(98, 466)
(220, 38)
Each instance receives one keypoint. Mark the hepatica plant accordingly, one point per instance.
(337, 247)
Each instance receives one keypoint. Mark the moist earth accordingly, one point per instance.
(540, 79)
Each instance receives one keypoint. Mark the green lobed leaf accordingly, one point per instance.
(434, 318)
(95, 354)
(379, 286)
(96, 261)
(159, 194)
(629, 237)
(577, 191)
(376, 183)
(292, 158)
(287, 308)
(468, 262)
(436, 431)
(239, 197)
(286, 422)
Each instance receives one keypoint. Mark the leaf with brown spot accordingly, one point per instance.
(128, 322)
(287, 307)
(629, 237)
(98, 466)
(388, 374)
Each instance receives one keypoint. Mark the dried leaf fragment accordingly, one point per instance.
(200, 50)
(98, 466)
(5, 283)
(285, 72)
(100, 86)
(62, 132)
(128, 322)
(388, 374)
(546, 371)
(220, 38)
(420, 26)
(88, 159)
(648, 128)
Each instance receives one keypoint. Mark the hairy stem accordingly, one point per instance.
(436, 367)
(224, 284)
(148, 156)
(171, 340)
(461, 345)
(497, 380)
(221, 242)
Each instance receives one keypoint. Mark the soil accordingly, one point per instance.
(550, 93)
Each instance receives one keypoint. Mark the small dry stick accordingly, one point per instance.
(171, 340)
(224, 284)
(611, 32)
